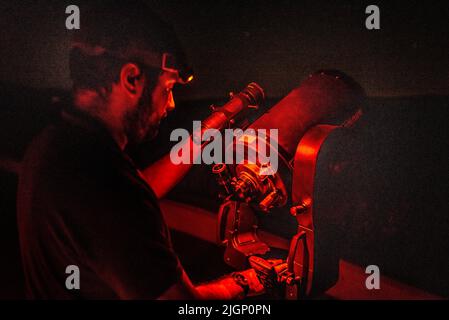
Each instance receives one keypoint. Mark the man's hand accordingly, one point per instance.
(222, 289)
(255, 287)
(270, 272)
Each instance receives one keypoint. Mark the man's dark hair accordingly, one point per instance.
(113, 33)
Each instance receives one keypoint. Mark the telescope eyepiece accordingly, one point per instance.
(254, 93)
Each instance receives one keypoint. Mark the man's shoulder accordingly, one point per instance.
(63, 154)
(67, 155)
(52, 147)
(64, 158)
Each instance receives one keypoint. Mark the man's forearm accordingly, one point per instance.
(222, 289)
(163, 175)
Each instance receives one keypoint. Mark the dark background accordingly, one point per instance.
(399, 188)
(277, 43)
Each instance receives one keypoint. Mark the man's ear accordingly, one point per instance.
(132, 80)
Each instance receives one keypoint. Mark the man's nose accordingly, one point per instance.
(170, 101)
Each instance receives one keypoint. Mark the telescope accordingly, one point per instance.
(327, 102)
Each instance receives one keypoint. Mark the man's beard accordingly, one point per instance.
(138, 127)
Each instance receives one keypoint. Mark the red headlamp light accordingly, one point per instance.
(185, 74)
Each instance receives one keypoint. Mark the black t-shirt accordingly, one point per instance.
(82, 202)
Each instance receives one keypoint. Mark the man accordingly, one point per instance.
(81, 200)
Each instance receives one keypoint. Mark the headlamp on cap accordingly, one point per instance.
(169, 63)
(166, 61)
